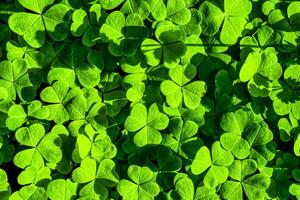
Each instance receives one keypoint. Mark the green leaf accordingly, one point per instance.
(212, 18)
(147, 123)
(250, 67)
(141, 187)
(178, 12)
(202, 161)
(61, 189)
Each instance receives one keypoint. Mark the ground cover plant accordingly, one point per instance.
(149, 99)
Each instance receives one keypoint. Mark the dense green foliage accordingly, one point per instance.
(149, 99)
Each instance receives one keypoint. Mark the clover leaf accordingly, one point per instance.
(35, 175)
(87, 26)
(86, 109)
(169, 46)
(32, 26)
(140, 186)
(184, 188)
(216, 164)
(287, 24)
(233, 19)
(168, 164)
(244, 182)
(95, 177)
(288, 89)
(95, 144)
(17, 115)
(127, 33)
(29, 192)
(147, 123)
(15, 79)
(183, 138)
(177, 12)
(180, 88)
(57, 96)
(5, 189)
(61, 188)
(41, 147)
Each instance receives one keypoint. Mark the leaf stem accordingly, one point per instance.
(7, 12)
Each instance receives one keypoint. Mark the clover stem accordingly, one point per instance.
(7, 12)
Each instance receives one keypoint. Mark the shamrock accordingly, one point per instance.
(232, 140)
(28, 192)
(147, 123)
(233, 19)
(254, 186)
(140, 186)
(217, 163)
(179, 89)
(17, 115)
(68, 66)
(87, 109)
(41, 147)
(264, 38)
(36, 59)
(244, 137)
(61, 188)
(58, 95)
(169, 45)
(260, 70)
(87, 26)
(184, 189)
(35, 175)
(32, 26)
(287, 25)
(285, 95)
(15, 79)
(95, 177)
(95, 144)
(177, 12)
(183, 138)
(127, 33)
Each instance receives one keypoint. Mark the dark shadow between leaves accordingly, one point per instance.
(290, 91)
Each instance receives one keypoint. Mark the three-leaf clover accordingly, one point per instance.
(169, 46)
(17, 115)
(147, 123)
(61, 189)
(181, 89)
(35, 175)
(96, 177)
(98, 145)
(32, 26)
(259, 70)
(233, 19)
(41, 147)
(87, 26)
(15, 79)
(183, 138)
(141, 185)
(243, 181)
(126, 33)
(286, 94)
(57, 96)
(216, 163)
